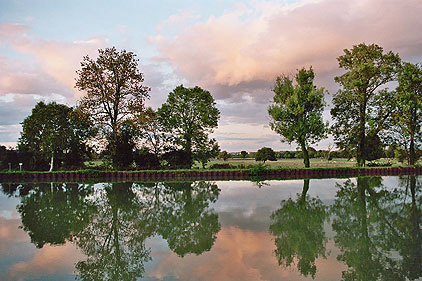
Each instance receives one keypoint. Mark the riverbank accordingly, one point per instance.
(222, 174)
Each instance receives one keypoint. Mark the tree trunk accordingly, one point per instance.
(360, 155)
(52, 161)
(305, 155)
(412, 156)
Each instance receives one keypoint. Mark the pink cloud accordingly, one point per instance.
(21, 78)
(46, 261)
(12, 29)
(239, 47)
(238, 255)
(58, 60)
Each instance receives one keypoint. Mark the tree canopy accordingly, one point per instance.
(114, 91)
(264, 154)
(297, 110)
(57, 134)
(408, 115)
(189, 115)
(362, 106)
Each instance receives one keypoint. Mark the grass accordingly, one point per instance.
(288, 163)
(281, 163)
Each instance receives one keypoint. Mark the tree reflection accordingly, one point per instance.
(409, 225)
(299, 230)
(372, 223)
(111, 224)
(114, 241)
(186, 221)
(54, 213)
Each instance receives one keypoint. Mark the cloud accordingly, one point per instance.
(8, 30)
(177, 20)
(242, 47)
(49, 260)
(237, 255)
(55, 62)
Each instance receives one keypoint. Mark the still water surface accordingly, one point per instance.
(320, 229)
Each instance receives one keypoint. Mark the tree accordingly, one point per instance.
(114, 92)
(189, 115)
(145, 160)
(297, 110)
(360, 108)
(243, 154)
(224, 155)
(265, 154)
(207, 150)
(151, 133)
(57, 134)
(408, 116)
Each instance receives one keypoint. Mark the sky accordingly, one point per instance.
(234, 49)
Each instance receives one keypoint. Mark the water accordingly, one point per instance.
(332, 229)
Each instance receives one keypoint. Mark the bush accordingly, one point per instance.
(178, 159)
(221, 166)
(145, 160)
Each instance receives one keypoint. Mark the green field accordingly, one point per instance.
(281, 163)
(298, 163)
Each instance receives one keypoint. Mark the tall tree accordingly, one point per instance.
(189, 115)
(55, 133)
(361, 107)
(408, 117)
(297, 110)
(114, 91)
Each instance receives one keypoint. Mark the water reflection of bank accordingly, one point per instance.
(110, 224)
(377, 229)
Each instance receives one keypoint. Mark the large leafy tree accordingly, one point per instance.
(297, 110)
(189, 115)
(55, 131)
(114, 92)
(408, 117)
(362, 106)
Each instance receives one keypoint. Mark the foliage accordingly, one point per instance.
(368, 229)
(8, 156)
(299, 230)
(360, 108)
(150, 132)
(221, 166)
(407, 130)
(146, 160)
(177, 159)
(207, 151)
(124, 144)
(374, 148)
(188, 116)
(297, 110)
(186, 221)
(224, 155)
(264, 154)
(57, 134)
(243, 154)
(114, 93)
